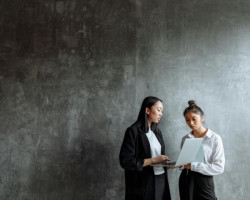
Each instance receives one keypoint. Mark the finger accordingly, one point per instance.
(164, 158)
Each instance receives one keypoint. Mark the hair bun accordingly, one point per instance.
(192, 103)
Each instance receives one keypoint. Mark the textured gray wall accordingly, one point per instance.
(73, 75)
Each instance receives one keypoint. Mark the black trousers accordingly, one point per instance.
(160, 186)
(196, 186)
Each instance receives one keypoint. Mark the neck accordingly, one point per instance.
(200, 132)
(149, 123)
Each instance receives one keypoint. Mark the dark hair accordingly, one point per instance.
(148, 102)
(194, 108)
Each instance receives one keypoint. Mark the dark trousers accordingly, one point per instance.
(160, 186)
(196, 186)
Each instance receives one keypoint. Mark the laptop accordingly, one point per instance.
(191, 150)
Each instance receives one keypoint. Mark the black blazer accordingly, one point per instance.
(139, 180)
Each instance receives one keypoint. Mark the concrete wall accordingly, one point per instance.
(73, 75)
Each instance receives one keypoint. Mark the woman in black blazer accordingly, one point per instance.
(143, 146)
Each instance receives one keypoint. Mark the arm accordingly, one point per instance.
(128, 158)
(127, 155)
(148, 161)
(155, 160)
(218, 161)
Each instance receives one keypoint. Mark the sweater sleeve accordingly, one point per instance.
(128, 153)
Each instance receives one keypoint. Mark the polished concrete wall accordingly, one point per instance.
(73, 75)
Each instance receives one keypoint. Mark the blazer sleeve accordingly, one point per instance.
(129, 159)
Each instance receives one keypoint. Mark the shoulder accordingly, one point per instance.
(185, 136)
(215, 137)
(213, 134)
(133, 129)
(183, 139)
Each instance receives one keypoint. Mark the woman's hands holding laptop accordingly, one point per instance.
(159, 159)
(187, 166)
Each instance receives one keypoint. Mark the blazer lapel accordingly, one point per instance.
(145, 143)
(159, 137)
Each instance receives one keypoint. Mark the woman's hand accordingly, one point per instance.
(160, 159)
(187, 166)
(155, 160)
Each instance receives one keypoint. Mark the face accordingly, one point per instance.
(155, 112)
(193, 120)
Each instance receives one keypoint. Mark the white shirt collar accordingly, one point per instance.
(208, 134)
